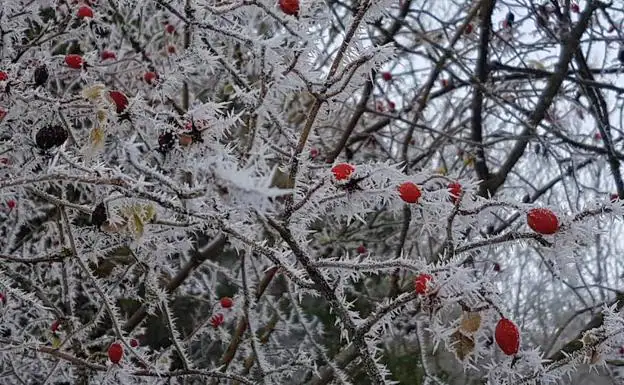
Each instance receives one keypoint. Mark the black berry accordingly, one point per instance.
(41, 75)
(510, 19)
(98, 216)
(51, 136)
(166, 142)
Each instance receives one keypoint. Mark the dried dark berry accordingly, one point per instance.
(166, 142)
(98, 216)
(41, 75)
(51, 136)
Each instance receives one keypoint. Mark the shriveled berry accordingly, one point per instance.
(226, 302)
(542, 221)
(3, 298)
(170, 28)
(166, 142)
(41, 75)
(314, 153)
(134, 342)
(409, 192)
(217, 320)
(171, 49)
(497, 267)
(115, 352)
(3, 76)
(108, 55)
(574, 8)
(387, 76)
(342, 171)
(507, 336)
(614, 197)
(361, 249)
(468, 29)
(455, 190)
(98, 216)
(51, 136)
(421, 283)
(56, 326)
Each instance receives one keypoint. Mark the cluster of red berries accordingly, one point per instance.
(409, 192)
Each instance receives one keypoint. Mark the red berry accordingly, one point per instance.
(387, 76)
(3, 76)
(507, 336)
(217, 320)
(108, 55)
(289, 7)
(455, 190)
(497, 267)
(170, 28)
(542, 221)
(84, 12)
(391, 106)
(226, 302)
(342, 171)
(3, 299)
(3, 113)
(56, 326)
(575, 8)
(409, 192)
(120, 100)
(115, 352)
(134, 342)
(468, 29)
(361, 249)
(11, 203)
(421, 283)
(149, 77)
(614, 197)
(74, 61)
(597, 136)
(622, 350)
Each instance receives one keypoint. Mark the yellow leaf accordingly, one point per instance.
(150, 213)
(56, 342)
(470, 322)
(97, 137)
(94, 92)
(102, 116)
(138, 227)
(463, 345)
